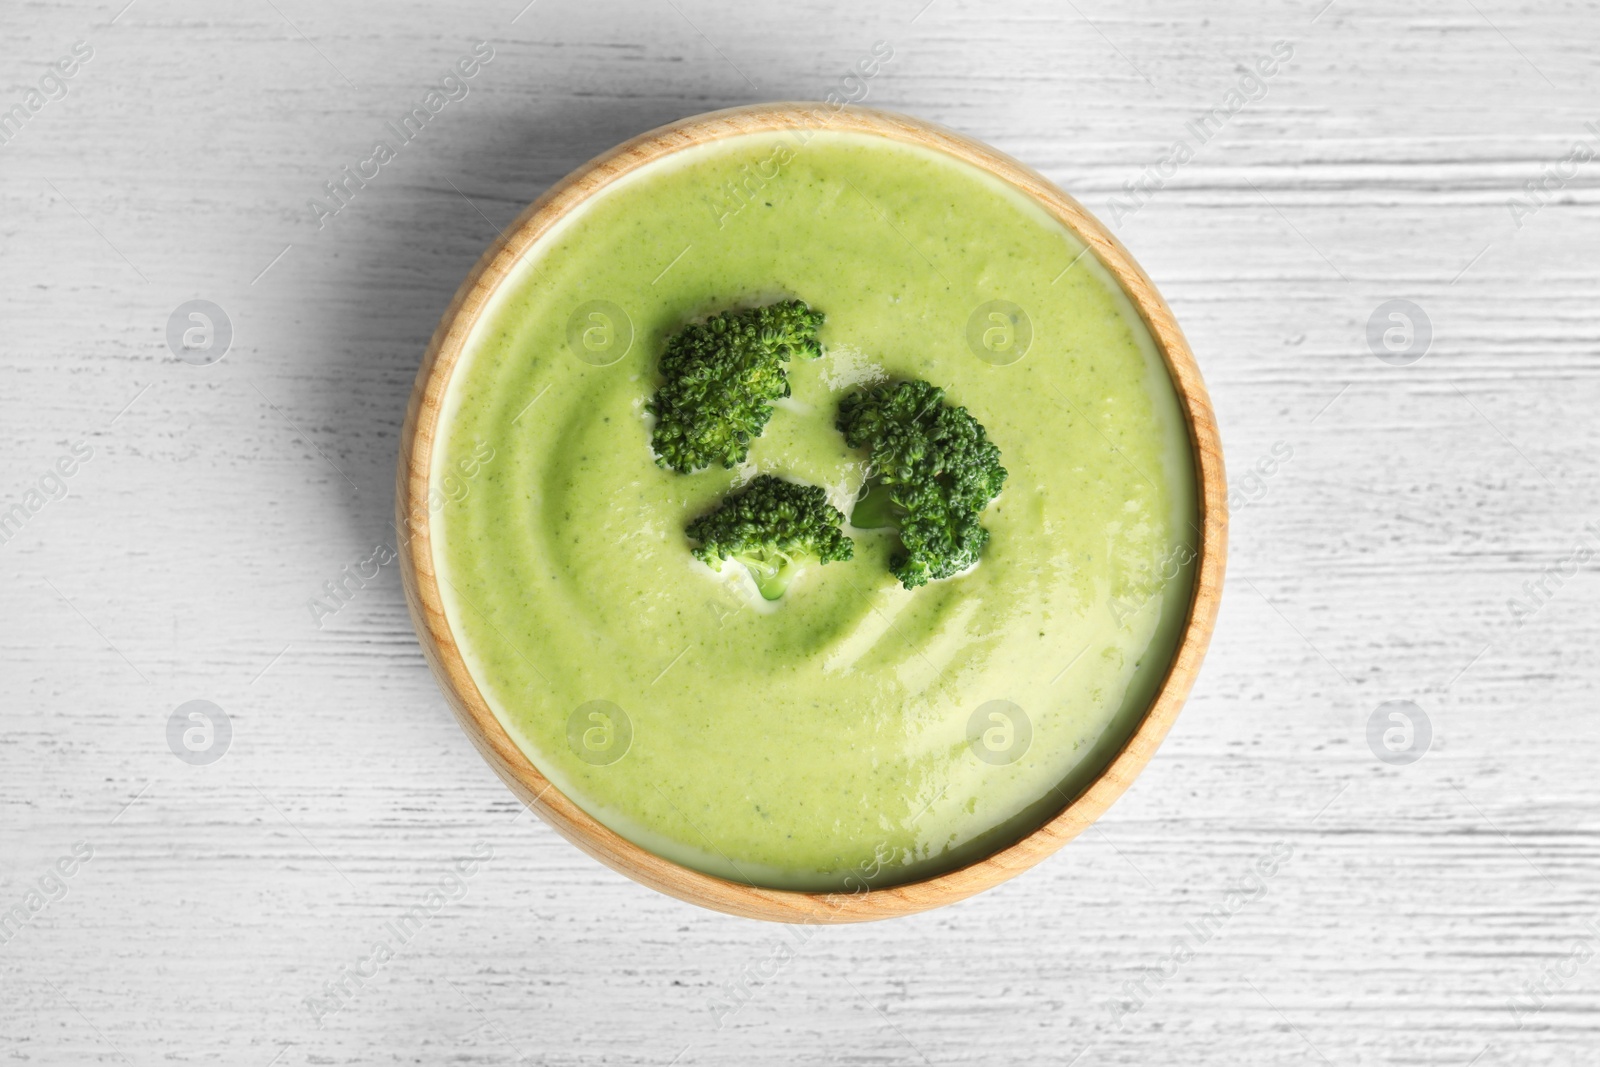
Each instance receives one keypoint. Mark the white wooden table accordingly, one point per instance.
(1412, 905)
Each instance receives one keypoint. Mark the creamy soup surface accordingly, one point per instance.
(853, 731)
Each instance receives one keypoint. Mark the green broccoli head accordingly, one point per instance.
(933, 471)
(722, 376)
(774, 528)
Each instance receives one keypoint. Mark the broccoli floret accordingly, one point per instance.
(773, 527)
(933, 470)
(722, 376)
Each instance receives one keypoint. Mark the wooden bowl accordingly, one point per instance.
(509, 761)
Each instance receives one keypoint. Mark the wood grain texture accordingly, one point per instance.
(1376, 564)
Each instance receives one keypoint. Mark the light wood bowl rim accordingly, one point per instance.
(515, 768)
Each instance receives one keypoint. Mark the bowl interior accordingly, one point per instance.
(525, 779)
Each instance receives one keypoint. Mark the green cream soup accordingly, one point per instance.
(853, 731)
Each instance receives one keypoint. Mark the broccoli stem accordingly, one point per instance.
(773, 528)
(772, 572)
(934, 470)
(876, 510)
